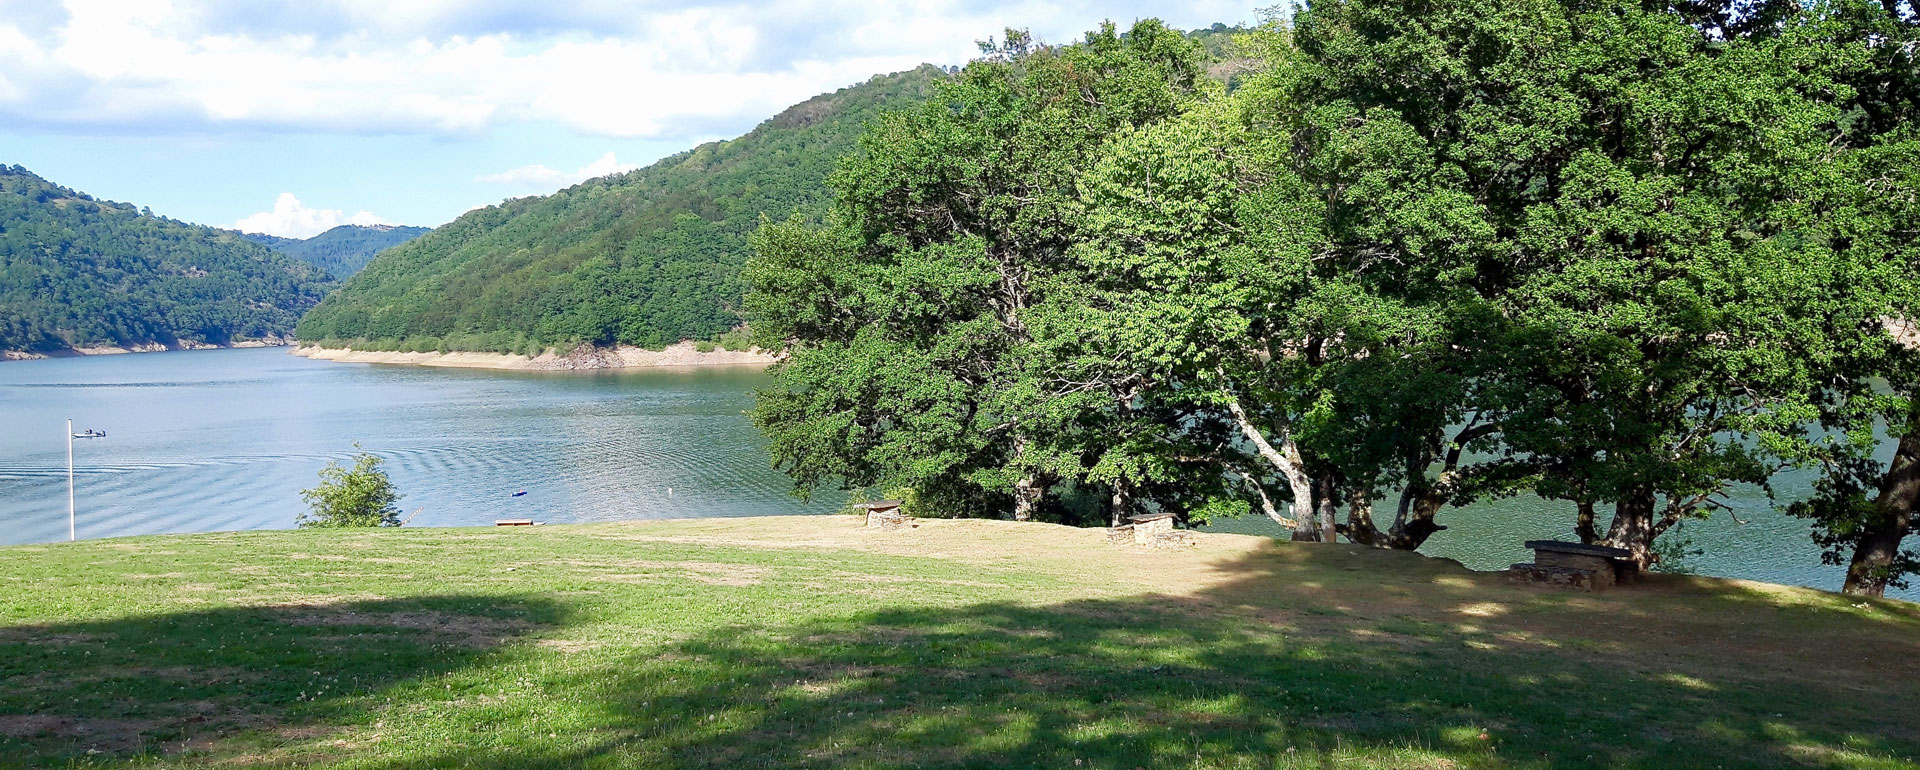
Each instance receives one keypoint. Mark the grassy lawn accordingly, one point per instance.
(778, 642)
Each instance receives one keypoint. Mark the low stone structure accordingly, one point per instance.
(1153, 530)
(886, 515)
(1576, 565)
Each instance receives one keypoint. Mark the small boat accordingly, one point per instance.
(520, 493)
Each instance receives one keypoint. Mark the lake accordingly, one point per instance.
(225, 439)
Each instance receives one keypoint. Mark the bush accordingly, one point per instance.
(738, 339)
(361, 496)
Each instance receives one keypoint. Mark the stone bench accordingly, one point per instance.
(886, 515)
(1577, 565)
(1154, 530)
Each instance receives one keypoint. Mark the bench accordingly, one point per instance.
(1577, 565)
(885, 514)
(1154, 530)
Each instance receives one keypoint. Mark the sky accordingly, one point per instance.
(290, 117)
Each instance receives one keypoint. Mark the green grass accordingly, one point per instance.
(812, 642)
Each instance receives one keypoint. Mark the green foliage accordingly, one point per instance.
(1612, 253)
(646, 258)
(77, 272)
(1865, 505)
(341, 251)
(1601, 252)
(360, 496)
(904, 314)
(738, 339)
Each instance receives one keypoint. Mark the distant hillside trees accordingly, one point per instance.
(77, 272)
(646, 258)
(341, 251)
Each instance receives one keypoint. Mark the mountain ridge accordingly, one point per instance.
(342, 250)
(647, 258)
(80, 273)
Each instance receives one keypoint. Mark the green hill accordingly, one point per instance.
(80, 272)
(647, 258)
(341, 251)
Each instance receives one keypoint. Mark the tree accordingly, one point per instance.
(1863, 508)
(1590, 214)
(1300, 263)
(361, 496)
(906, 316)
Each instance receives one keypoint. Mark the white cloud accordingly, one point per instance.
(453, 67)
(292, 219)
(547, 178)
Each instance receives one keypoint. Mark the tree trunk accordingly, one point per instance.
(1304, 530)
(1287, 460)
(1321, 528)
(1121, 507)
(1411, 531)
(1421, 502)
(1360, 528)
(1893, 511)
(1266, 501)
(1583, 523)
(1633, 528)
(1026, 497)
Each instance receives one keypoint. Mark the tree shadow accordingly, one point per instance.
(1307, 656)
(177, 681)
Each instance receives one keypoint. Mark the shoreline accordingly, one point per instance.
(151, 347)
(678, 355)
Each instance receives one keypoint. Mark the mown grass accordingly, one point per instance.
(812, 642)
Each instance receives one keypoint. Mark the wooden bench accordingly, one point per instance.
(1577, 565)
(885, 514)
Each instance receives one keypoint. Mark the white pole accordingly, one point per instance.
(70, 480)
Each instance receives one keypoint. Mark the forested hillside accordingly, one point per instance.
(646, 258)
(341, 251)
(80, 272)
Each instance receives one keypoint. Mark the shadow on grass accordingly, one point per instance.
(173, 682)
(1296, 656)
(1285, 665)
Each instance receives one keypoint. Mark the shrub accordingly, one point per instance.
(361, 496)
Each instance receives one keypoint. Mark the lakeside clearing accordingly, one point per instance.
(811, 641)
(681, 354)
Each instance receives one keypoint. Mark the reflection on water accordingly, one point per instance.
(226, 439)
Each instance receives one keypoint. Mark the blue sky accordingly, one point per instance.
(290, 117)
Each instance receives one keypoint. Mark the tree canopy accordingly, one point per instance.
(906, 315)
(1623, 255)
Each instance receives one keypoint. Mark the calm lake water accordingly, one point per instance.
(225, 439)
